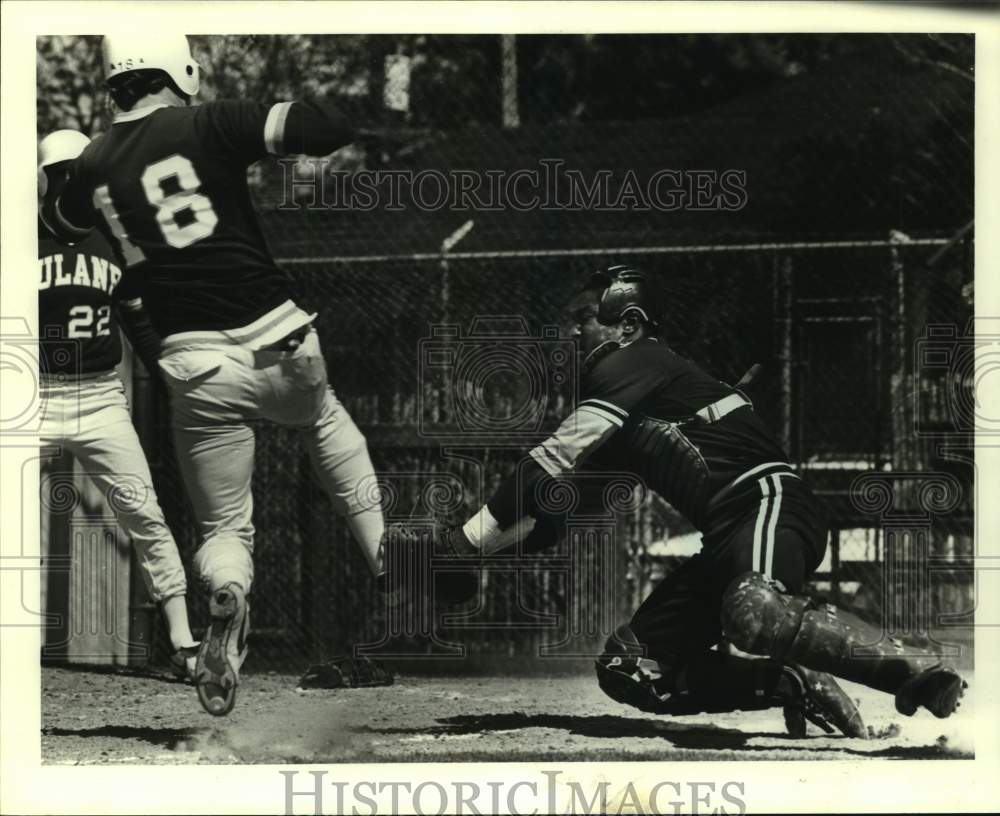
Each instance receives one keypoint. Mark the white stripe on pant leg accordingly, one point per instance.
(759, 528)
(771, 526)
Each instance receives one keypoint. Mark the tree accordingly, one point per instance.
(69, 85)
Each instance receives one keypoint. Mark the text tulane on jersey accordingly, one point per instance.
(87, 270)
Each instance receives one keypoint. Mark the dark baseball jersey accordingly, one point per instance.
(645, 410)
(646, 380)
(77, 332)
(169, 185)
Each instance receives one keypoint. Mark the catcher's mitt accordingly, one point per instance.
(347, 672)
(440, 552)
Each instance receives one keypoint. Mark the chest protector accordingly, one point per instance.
(671, 464)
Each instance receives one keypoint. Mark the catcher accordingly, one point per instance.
(700, 445)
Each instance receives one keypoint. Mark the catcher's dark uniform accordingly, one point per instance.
(699, 444)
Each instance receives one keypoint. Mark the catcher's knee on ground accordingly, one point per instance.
(760, 618)
(625, 675)
(708, 681)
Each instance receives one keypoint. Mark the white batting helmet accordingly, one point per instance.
(143, 52)
(61, 145)
(58, 146)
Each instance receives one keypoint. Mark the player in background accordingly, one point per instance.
(168, 185)
(84, 407)
(700, 445)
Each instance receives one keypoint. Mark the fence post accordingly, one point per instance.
(902, 454)
(447, 245)
(508, 80)
(784, 320)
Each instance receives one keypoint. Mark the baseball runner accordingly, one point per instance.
(700, 445)
(83, 399)
(167, 184)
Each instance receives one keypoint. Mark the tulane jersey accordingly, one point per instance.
(169, 185)
(77, 332)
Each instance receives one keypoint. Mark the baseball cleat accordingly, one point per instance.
(184, 661)
(223, 650)
(818, 698)
(938, 689)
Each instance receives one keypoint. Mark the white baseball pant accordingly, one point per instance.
(89, 418)
(216, 389)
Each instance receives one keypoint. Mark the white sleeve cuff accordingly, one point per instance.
(274, 128)
(482, 529)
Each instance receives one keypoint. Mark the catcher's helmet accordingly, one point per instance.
(125, 54)
(626, 289)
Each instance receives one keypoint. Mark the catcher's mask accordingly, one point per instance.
(626, 289)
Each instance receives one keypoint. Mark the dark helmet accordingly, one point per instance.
(626, 289)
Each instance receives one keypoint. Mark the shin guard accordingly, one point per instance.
(758, 617)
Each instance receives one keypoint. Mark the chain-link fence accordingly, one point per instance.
(826, 322)
(805, 200)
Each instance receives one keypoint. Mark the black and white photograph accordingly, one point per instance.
(501, 396)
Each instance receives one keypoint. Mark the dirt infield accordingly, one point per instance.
(107, 717)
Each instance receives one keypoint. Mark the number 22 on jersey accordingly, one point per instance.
(81, 322)
(202, 218)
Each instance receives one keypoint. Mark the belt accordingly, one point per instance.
(763, 470)
(51, 380)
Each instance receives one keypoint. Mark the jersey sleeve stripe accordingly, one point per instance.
(274, 128)
(573, 441)
(548, 461)
(605, 409)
